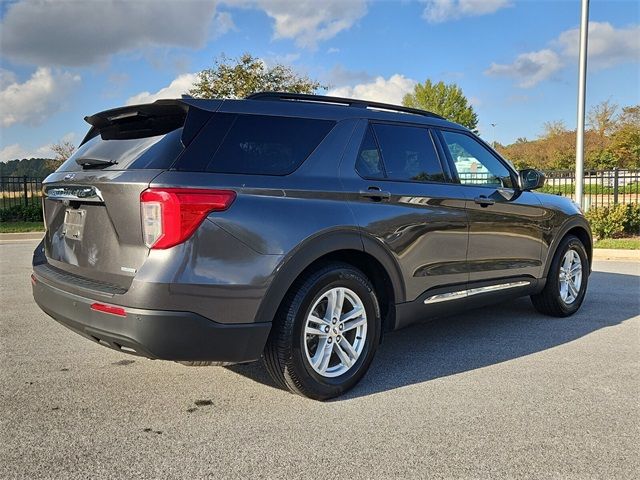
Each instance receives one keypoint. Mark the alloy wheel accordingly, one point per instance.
(335, 332)
(570, 276)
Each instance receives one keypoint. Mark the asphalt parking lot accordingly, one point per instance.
(501, 392)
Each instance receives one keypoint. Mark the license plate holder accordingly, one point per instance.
(73, 226)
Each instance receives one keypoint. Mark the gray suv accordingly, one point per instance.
(297, 228)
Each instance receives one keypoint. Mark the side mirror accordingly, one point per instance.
(531, 179)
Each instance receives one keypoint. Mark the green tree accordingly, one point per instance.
(242, 76)
(624, 143)
(444, 99)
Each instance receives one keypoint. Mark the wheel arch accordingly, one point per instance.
(577, 226)
(347, 246)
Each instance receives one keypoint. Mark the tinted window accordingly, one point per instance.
(159, 151)
(257, 144)
(474, 163)
(408, 153)
(369, 163)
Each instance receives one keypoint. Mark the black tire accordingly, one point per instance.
(549, 301)
(285, 357)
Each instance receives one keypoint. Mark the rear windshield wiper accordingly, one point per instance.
(94, 162)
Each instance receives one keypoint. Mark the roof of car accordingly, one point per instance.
(319, 106)
(272, 103)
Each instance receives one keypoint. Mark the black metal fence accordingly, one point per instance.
(20, 191)
(601, 187)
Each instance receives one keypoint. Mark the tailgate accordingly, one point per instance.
(93, 224)
(92, 202)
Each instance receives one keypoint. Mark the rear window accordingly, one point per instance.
(157, 152)
(267, 145)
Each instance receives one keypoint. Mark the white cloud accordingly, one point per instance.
(18, 152)
(37, 98)
(389, 90)
(175, 89)
(608, 46)
(438, 11)
(53, 32)
(308, 22)
(223, 23)
(7, 77)
(530, 68)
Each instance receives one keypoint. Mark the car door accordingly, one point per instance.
(505, 224)
(402, 196)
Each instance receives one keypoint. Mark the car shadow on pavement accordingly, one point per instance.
(483, 337)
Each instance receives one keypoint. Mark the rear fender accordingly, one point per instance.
(311, 250)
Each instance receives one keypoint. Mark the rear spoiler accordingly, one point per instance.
(150, 119)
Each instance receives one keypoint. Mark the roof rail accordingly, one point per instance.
(349, 102)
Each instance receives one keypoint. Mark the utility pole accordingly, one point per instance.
(582, 86)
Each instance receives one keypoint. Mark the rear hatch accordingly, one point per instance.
(92, 202)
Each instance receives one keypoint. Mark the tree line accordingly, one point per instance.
(612, 139)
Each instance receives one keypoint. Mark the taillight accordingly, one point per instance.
(171, 215)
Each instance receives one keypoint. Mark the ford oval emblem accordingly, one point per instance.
(69, 176)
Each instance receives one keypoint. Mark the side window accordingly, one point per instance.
(408, 153)
(268, 145)
(369, 163)
(474, 163)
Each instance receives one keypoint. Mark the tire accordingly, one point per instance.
(290, 351)
(550, 300)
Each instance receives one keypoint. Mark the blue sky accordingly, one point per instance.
(515, 60)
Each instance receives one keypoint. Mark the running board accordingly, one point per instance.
(445, 297)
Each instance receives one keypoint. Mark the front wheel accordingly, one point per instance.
(326, 332)
(566, 281)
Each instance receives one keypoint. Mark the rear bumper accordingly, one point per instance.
(157, 334)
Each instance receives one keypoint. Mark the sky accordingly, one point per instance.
(516, 61)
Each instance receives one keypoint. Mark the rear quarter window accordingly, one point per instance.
(267, 145)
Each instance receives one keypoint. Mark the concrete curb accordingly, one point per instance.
(14, 237)
(616, 254)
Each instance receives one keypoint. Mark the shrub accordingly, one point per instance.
(24, 213)
(632, 219)
(607, 222)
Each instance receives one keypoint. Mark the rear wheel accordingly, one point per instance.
(326, 332)
(567, 280)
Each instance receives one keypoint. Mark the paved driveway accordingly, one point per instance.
(500, 392)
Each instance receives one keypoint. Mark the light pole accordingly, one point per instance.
(582, 85)
(494, 134)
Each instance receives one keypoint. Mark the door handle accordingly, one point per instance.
(375, 194)
(483, 201)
